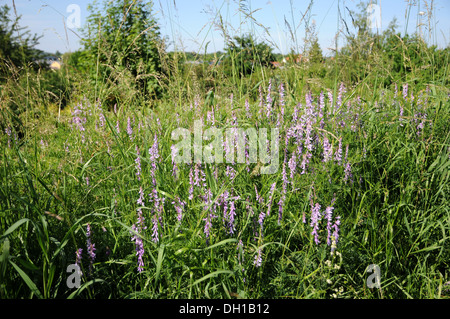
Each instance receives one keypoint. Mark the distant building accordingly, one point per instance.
(297, 59)
(53, 62)
(276, 64)
(55, 65)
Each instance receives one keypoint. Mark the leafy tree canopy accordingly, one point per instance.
(244, 55)
(17, 46)
(123, 35)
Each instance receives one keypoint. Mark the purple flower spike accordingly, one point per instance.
(327, 150)
(129, 129)
(90, 247)
(315, 218)
(258, 259)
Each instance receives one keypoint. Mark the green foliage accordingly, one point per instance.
(122, 47)
(16, 45)
(245, 56)
(66, 162)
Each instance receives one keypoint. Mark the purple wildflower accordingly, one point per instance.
(305, 161)
(140, 200)
(129, 129)
(335, 235)
(292, 165)
(283, 193)
(179, 206)
(230, 172)
(328, 216)
(90, 247)
(8, 132)
(136, 238)
(348, 172)
(247, 109)
(78, 120)
(342, 91)
(405, 91)
(272, 190)
(327, 150)
(208, 226)
(208, 206)
(174, 164)
(191, 183)
(330, 98)
(78, 258)
(315, 218)
(308, 137)
(258, 259)
(261, 218)
(154, 155)
(153, 150)
(101, 118)
(338, 154)
(259, 198)
(139, 247)
(346, 153)
(155, 235)
(232, 214)
(138, 163)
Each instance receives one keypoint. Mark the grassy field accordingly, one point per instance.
(357, 207)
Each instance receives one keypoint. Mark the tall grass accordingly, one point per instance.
(383, 186)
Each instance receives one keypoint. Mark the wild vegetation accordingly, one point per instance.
(89, 171)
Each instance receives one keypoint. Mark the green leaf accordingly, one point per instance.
(27, 280)
(13, 227)
(159, 263)
(213, 274)
(83, 286)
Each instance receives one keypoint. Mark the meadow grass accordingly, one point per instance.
(363, 179)
(384, 174)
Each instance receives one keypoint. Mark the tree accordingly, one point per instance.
(16, 45)
(244, 55)
(315, 52)
(123, 37)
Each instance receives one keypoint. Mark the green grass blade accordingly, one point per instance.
(27, 280)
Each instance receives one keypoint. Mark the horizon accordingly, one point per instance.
(193, 28)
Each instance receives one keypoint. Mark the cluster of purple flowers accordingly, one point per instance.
(129, 129)
(137, 231)
(138, 163)
(283, 193)
(79, 119)
(90, 247)
(154, 156)
(78, 257)
(178, 204)
(209, 207)
(327, 150)
(258, 258)
(332, 228)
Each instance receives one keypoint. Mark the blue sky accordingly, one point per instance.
(191, 24)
